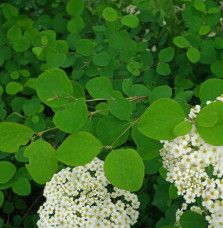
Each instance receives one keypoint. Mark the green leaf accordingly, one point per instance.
(72, 117)
(37, 51)
(13, 135)
(160, 92)
(213, 10)
(14, 33)
(146, 147)
(217, 68)
(199, 5)
(99, 87)
(173, 192)
(55, 59)
(166, 54)
(78, 149)
(121, 108)
(109, 14)
(181, 42)
(9, 10)
(1, 199)
(7, 171)
(159, 120)
(13, 88)
(207, 119)
(130, 20)
(211, 89)
(193, 55)
(182, 128)
(192, 219)
(21, 187)
(109, 128)
(212, 134)
(51, 83)
(85, 47)
(124, 168)
(75, 25)
(204, 30)
(163, 69)
(22, 44)
(75, 7)
(101, 58)
(42, 161)
(127, 86)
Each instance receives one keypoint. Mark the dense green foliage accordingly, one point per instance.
(83, 78)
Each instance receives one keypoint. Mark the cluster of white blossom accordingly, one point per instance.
(131, 9)
(83, 197)
(195, 167)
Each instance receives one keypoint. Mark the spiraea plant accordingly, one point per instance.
(111, 113)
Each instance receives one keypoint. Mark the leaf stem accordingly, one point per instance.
(15, 113)
(133, 123)
(101, 110)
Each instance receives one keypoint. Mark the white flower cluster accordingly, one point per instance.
(84, 198)
(195, 167)
(131, 9)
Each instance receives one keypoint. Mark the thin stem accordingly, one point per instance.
(85, 64)
(101, 99)
(133, 123)
(15, 113)
(102, 110)
(31, 206)
(39, 134)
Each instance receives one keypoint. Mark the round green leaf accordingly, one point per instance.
(1, 198)
(85, 47)
(13, 135)
(99, 87)
(166, 54)
(9, 10)
(193, 55)
(42, 161)
(181, 42)
(159, 92)
(192, 219)
(207, 119)
(217, 68)
(147, 148)
(14, 33)
(72, 117)
(109, 128)
(124, 168)
(213, 134)
(130, 20)
(199, 5)
(78, 149)
(101, 59)
(21, 187)
(182, 128)
(51, 83)
(75, 7)
(55, 59)
(163, 69)
(204, 30)
(75, 25)
(13, 88)
(21, 44)
(8, 207)
(121, 108)
(159, 120)
(7, 171)
(211, 89)
(109, 14)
